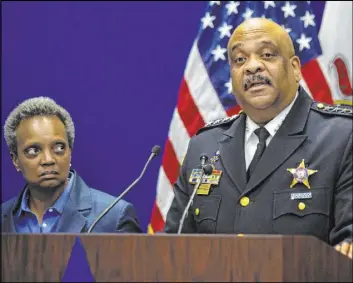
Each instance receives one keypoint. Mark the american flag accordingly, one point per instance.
(322, 36)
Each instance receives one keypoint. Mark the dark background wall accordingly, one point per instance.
(116, 67)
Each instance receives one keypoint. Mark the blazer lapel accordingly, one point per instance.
(284, 143)
(8, 224)
(72, 219)
(8, 221)
(232, 153)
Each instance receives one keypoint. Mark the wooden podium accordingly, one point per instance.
(173, 258)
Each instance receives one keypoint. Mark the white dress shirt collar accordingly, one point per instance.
(271, 126)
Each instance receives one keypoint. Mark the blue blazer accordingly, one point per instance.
(83, 207)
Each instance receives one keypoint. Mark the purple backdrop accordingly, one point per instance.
(116, 67)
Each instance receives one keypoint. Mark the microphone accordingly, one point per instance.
(206, 170)
(154, 152)
(203, 159)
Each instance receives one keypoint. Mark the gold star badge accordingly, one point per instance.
(301, 174)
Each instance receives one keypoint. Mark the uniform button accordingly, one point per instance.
(320, 105)
(197, 211)
(301, 206)
(244, 201)
(50, 210)
(44, 225)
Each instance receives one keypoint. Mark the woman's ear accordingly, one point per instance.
(15, 162)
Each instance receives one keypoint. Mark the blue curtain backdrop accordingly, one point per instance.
(116, 67)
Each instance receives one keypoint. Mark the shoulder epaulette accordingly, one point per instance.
(218, 122)
(341, 110)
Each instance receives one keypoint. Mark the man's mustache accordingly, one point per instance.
(256, 79)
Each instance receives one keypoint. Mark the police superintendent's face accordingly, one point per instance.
(43, 153)
(263, 70)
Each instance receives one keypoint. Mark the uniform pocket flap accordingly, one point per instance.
(301, 203)
(206, 207)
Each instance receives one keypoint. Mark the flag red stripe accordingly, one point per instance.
(170, 162)
(157, 221)
(234, 110)
(192, 121)
(171, 166)
(316, 81)
(188, 110)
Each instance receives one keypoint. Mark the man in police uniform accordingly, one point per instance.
(282, 166)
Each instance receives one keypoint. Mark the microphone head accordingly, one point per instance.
(156, 149)
(203, 157)
(208, 169)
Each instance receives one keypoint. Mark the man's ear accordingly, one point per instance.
(15, 162)
(296, 65)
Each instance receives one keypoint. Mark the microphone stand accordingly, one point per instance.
(154, 153)
(185, 213)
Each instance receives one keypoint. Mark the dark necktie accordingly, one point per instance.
(262, 134)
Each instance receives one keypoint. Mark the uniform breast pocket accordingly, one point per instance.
(205, 210)
(302, 212)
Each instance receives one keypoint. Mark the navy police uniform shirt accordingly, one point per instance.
(302, 184)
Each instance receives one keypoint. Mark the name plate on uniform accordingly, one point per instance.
(301, 195)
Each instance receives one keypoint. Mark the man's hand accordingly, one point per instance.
(345, 248)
